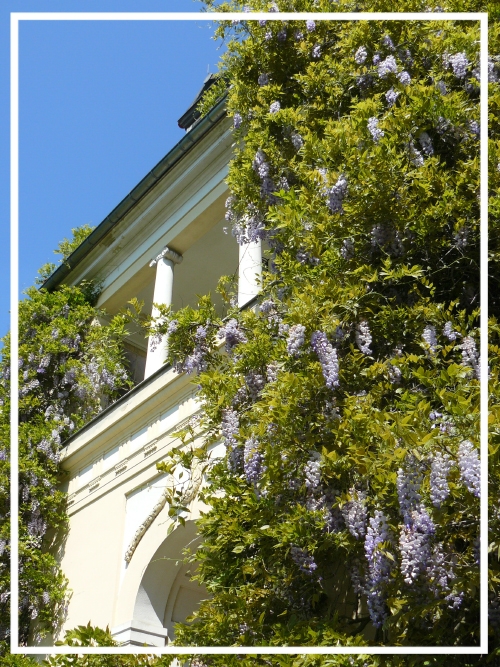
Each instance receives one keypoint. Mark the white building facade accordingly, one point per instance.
(163, 244)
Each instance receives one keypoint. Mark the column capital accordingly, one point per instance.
(167, 253)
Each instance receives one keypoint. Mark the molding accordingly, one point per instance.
(121, 467)
(94, 484)
(169, 254)
(188, 495)
(139, 533)
(138, 633)
(150, 447)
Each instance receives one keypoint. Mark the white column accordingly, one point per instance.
(250, 272)
(165, 261)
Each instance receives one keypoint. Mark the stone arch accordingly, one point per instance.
(164, 593)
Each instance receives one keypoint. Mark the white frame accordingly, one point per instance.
(16, 17)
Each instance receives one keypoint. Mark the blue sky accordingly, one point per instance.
(99, 103)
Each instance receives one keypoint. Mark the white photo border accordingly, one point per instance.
(16, 18)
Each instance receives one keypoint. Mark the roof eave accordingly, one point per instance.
(195, 134)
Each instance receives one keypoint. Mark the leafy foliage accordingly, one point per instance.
(346, 508)
(93, 636)
(70, 367)
(65, 248)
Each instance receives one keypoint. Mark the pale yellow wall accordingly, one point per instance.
(105, 590)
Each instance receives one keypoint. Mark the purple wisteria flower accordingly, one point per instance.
(449, 332)
(379, 235)
(335, 194)
(409, 481)
(474, 127)
(363, 337)
(262, 168)
(441, 86)
(493, 76)
(374, 130)
(391, 96)
(233, 334)
(274, 108)
(237, 121)
(395, 374)
(46, 447)
(429, 336)
(415, 545)
(426, 143)
(30, 386)
(297, 141)
(263, 79)
(470, 355)
(230, 427)
(459, 64)
(37, 526)
(360, 55)
(44, 363)
(304, 561)
(388, 43)
(316, 52)
(272, 371)
(470, 467)
(404, 78)
(312, 474)
(255, 383)
(311, 26)
(327, 356)
(355, 513)
(295, 339)
(196, 361)
(305, 257)
(439, 571)
(173, 325)
(347, 249)
(252, 461)
(440, 469)
(387, 66)
(379, 567)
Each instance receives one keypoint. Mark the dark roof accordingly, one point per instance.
(190, 116)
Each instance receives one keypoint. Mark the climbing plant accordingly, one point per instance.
(70, 366)
(346, 508)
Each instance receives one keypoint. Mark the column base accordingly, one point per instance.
(137, 633)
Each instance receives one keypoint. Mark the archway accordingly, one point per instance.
(166, 595)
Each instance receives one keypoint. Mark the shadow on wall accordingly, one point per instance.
(166, 593)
